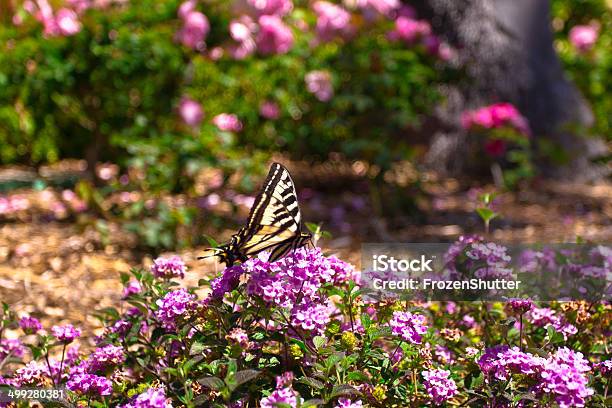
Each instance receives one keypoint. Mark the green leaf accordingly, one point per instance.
(357, 376)
(214, 383)
(312, 383)
(344, 389)
(486, 213)
(197, 348)
(312, 403)
(211, 241)
(319, 341)
(245, 376)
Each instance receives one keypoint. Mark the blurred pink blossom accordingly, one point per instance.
(583, 37)
(67, 22)
(274, 36)
(191, 111)
(216, 53)
(319, 84)
(269, 110)
(79, 5)
(243, 30)
(384, 7)
(107, 171)
(194, 31)
(270, 7)
(409, 30)
(496, 116)
(227, 122)
(186, 7)
(332, 20)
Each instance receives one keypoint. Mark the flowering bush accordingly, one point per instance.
(505, 138)
(143, 81)
(583, 39)
(298, 332)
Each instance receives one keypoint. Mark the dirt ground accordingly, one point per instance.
(62, 273)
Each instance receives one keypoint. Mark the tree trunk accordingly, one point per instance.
(506, 48)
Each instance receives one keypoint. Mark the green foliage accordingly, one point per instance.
(591, 71)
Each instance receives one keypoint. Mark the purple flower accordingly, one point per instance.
(227, 122)
(410, 327)
(227, 282)
(30, 325)
(172, 306)
(167, 268)
(269, 110)
(347, 403)
(319, 84)
(90, 384)
(194, 31)
(274, 36)
(66, 334)
(32, 373)
(583, 37)
(605, 368)
(564, 378)
(151, 398)
(280, 396)
(311, 316)
(443, 354)
(284, 380)
(332, 20)
(501, 362)
(439, 386)
(545, 317)
(12, 347)
(530, 260)
(106, 357)
(520, 306)
(133, 287)
(240, 337)
(191, 112)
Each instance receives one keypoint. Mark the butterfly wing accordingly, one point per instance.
(274, 222)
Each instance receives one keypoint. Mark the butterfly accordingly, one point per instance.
(274, 223)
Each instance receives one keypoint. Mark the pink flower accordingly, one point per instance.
(194, 31)
(227, 122)
(496, 116)
(583, 37)
(191, 111)
(270, 7)
(384, 7)
(269, 110)
(409, 30)
(186, 7)
(67, 22)
(274, 36)
(483, 117)
(319, 84)
(242, 28)
(332, 20)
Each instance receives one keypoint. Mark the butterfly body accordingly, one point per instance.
(274, 223)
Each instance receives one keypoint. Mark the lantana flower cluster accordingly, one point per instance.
(302, 320)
